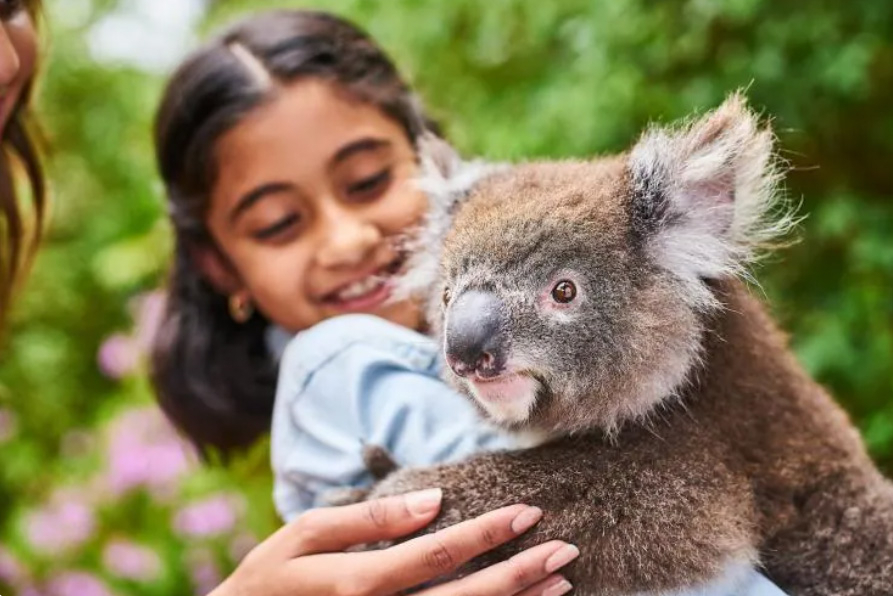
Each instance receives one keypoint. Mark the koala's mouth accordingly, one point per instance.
(508, 398)
(501, 387)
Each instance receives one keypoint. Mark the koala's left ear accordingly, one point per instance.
(446, 179)
(704, 196)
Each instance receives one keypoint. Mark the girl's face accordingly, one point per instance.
(18, 49)
(312, 190)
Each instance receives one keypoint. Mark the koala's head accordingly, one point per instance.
(572, 295)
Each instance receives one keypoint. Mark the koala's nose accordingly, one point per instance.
(474, 335)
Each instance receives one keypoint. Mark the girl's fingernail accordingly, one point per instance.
(559, 587)
(562, 557)
(526, 519)
(424, 502)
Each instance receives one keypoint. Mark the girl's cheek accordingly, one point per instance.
(404, 209)
(280, 273)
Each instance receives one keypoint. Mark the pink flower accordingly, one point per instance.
(210, 517)
(77, 583)
(65, 523)
(11, 570)
(118, 356)
(121, 354)
(204, 571)
(131, 561)
(8, 425)
(145, 451)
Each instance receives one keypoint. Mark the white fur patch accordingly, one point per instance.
(446, 179)
(719, 176)
(530, 438)
(661, 384)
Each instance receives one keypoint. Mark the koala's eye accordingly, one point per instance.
(564, 292)
(447, 295)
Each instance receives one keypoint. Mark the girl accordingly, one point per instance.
(305, 553)
(18, 57)
(287, 149)
(301, 220)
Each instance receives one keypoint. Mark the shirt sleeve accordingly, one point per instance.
(416, 416)
(760, 586)
(752, 583)
(356, 380)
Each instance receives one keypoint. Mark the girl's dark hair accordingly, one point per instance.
(19, 147)
(215, 378)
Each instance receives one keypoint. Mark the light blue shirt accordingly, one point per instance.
(355, 380)
(358, 379)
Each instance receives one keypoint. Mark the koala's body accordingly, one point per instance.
(596, 304)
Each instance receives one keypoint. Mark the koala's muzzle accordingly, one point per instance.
(474, 339)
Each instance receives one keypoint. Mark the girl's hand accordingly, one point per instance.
(306, 556)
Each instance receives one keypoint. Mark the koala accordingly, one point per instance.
(601, 307)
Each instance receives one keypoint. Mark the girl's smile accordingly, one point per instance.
(366, 293)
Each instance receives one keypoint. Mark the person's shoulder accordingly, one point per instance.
(360, 335)
(354, 327)
(334, 334)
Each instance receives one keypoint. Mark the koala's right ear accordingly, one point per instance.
(446, 179)
(705, 194)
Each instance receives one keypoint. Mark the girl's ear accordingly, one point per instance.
(216, 269)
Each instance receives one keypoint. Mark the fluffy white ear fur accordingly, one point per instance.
(446, 179)
(717, 180)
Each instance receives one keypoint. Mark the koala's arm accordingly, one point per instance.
(641, 527)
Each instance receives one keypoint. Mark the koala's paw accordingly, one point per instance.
(379, 461)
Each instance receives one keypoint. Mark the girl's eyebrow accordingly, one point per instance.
(364, 144)
(253, 196)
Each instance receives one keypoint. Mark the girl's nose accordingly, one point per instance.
(9, 59)
(348, 242)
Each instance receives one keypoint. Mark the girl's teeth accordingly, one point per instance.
(360, 288)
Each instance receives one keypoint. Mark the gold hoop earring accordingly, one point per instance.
(240, 308)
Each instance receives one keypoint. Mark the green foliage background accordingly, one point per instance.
(508, 79)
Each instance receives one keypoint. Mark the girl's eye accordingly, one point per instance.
(564, 292)
(370, 187)
(283, 225)
(10, 8)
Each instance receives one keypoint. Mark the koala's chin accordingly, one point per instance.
(508, 399)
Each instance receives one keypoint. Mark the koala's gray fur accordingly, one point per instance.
(683, 444)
